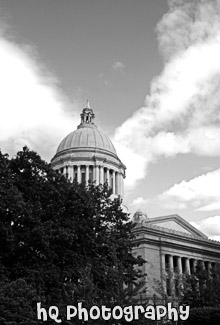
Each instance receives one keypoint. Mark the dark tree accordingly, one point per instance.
(202, 288)
(61, 242)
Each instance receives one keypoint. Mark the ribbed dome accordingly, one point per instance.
(86, 137)
(87, 155)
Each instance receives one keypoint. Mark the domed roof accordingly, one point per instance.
(139, 216)
(87, 135)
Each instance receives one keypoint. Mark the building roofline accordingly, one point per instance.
(186, 225)
(162, 231)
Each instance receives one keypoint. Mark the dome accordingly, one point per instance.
(139, 216)
(86, 155)
(87, 137)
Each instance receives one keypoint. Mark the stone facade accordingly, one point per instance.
(169, 244)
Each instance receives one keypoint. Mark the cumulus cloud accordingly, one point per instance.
(209, 226)
(181, 114)
(118, 66)
(139, 201)
(215, 206)
(34, 112)
(202, 193)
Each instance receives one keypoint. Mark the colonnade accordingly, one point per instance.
(178, 264)
(95, 173)
(173, 266)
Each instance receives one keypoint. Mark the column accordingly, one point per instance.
(179, 263)
(78, 174)
(113, 182)
(94, 175)
(107, 176)
(163, 266)
(170, 283)
(101, 175)
(170, 263)
(163, 273)
(209, 266)
(70, 172)
(97, 175)
(187, 266)
(64, 170)
(87, 174)
(122, 185)
(118, 184)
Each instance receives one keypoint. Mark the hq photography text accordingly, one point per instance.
(128, 313)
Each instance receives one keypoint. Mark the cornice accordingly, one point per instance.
(178, 247)
(93, 161)
(174, 234)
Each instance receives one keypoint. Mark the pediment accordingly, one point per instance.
(175, 223)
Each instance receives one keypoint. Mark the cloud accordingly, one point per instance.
(202, 193)
(209, 226)
(139, 201)
(181, 114)
(34, 112)
(118, 66)
(210, 207)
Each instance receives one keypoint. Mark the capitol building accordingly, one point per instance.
(169, 244)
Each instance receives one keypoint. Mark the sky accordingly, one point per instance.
(151, 72)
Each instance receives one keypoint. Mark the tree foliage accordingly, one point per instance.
(202, 288)
(60, 242)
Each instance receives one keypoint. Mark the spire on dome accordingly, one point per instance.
(87, 104)
(87, 117)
